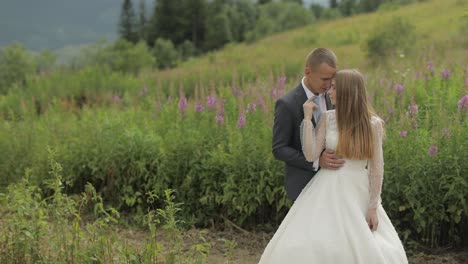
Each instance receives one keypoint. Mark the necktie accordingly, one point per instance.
(317, 112)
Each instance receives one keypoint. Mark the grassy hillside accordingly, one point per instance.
(437, 25)
(131, 141)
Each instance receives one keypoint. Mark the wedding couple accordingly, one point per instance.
(331, 142)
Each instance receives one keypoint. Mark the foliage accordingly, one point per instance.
(121, 56)
(392, 38)
(39, 228)
(16, 65)
(128, 24)
(165, 53)
(134, 137)
(280, 16)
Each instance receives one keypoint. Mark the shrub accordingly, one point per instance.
(16, 64)
(391, 38)
(165, 53)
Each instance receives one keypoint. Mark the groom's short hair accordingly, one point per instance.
(319, 56)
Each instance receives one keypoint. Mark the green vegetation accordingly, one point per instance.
(204, 129)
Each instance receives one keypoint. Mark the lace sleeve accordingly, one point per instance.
(376, 165)
(313, 139)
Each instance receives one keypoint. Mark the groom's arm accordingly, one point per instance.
(283, 131)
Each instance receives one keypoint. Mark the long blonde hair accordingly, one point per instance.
(353, 116)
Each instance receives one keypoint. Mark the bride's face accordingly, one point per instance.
(332, 93)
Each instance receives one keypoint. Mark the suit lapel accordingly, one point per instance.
(329, 105)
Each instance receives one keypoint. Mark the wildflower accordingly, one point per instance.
(446, 74)
(251, 107)
(198, 107)
(463, 103)
(182, 104)
(430, 67)
(242, 120)
(282, 81)
(210, 101)
(144, 91)
(117, 99)
(281, 85)
(159, 106)
(274, 94)
(433, 149)
(236, 91)
(260, 102)
(412, 110)
(403, 133)
(399, 88)
(466, 82)
(219, 119)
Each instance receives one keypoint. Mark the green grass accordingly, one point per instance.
(437, 24)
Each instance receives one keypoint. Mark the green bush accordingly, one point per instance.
(165, 53)
(392, 38)
(121, 56)
(16, 65)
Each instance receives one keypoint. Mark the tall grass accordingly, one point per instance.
(39, 228)
(215, 149)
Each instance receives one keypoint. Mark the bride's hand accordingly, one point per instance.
(372, 219)
(309, 108)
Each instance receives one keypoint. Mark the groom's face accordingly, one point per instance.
(319, 80)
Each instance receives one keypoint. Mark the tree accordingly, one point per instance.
(128, 23)
(317, 9)
(165, 53)
(333, 3)
(347, 7)
(168, 22)
(391, 38)
(295, 1)
(218, 31)
(16, 64)
(196, 11)
(369, 5)
(242, 15)
(142, 21)
(262, 2)
(121, 56)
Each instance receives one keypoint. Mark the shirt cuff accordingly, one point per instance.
(316, 164)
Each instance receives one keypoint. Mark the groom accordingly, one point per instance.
(320, 68)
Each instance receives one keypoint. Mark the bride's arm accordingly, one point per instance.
(376, 166)
(313, 139)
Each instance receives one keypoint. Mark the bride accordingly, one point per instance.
(338, 217)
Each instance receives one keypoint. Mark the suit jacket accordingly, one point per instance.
(286, 145)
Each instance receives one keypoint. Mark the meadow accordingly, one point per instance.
(87, 151)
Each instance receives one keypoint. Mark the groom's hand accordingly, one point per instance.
(330, 160)
(372, 219)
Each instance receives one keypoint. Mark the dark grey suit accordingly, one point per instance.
(289, 114)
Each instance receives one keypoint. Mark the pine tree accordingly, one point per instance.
(261, 2)
(296, 1)
(168, 22)
(195, 11)
(333, 3)
(142, 21)
(128, 22)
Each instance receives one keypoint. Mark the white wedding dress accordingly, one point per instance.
(327, 223)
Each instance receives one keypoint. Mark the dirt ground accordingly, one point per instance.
(249, 247)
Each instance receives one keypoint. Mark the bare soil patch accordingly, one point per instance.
(250, 245)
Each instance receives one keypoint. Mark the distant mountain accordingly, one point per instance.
(54, 24)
